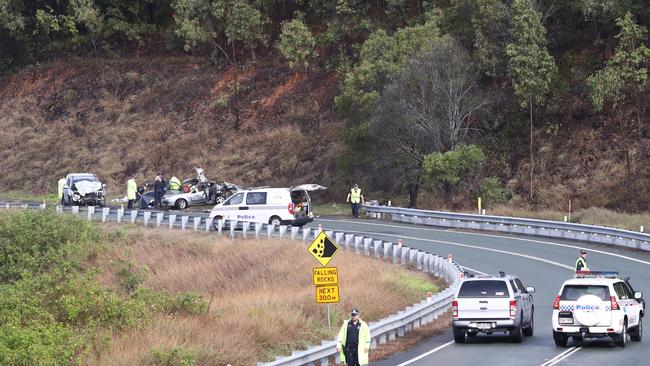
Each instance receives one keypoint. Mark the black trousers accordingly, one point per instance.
(355, 209)
(130, 204)
(352, 355)
(158, 199)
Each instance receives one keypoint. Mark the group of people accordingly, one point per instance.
(160, 187)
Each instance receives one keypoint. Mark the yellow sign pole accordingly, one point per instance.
(479, 205)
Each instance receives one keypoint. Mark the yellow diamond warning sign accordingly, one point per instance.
(325, 294)
(326, 276)
(323, 248)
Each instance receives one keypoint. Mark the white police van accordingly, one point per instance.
(596, 305)
(278, 206)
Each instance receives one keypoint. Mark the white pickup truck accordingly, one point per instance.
(489, 304)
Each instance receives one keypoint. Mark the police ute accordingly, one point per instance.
(597, 304)
(277, 206)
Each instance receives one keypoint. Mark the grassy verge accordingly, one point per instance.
(23, 196)
(332, 209)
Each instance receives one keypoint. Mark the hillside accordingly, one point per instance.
(138, 116)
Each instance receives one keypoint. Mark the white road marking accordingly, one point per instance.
(473, 270)
(563, 356)
(425, 354)
(413, 227)
(475, 247)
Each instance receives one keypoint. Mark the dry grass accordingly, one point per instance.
(263, 296)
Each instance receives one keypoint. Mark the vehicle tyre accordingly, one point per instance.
(637, 332)
(219, 200)
(621, 339)
(472, 334)
(181, 204)
(459, 335)
(528, 331)
(516, 334)
(560, 339)
(275, 220)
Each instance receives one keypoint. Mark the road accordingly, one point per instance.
(541, 263)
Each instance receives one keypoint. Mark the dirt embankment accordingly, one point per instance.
(116, 118)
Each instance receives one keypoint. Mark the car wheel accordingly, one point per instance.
(459, 335)
(219, 200)
(528, 331)
(621, 339)
(637, 332)
(516, 334)
(181, 204)
(275, 221)
(560, 339)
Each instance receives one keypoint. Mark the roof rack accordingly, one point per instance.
(597, 274)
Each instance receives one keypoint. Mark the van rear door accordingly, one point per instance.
(300, 198)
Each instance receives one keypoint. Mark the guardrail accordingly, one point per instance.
(381, 331)
(545, 228)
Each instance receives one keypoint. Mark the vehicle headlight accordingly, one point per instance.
(76, 196)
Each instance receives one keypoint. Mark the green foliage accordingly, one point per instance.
(625, 73)
(490, 34)
(296, 44)
(245, 24)
(173, 357)
(492, 192)
(130, 276)
(381, 59)
(451, 166)
(530, 65)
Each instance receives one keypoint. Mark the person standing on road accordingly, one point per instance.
(581, 263)
(131, 188)
(174, 184)
(61, 183)
(356, 199)
(353, 342)
(159, 188)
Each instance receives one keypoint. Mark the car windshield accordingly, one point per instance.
(483, 288)
(574, 292)
(86, 178)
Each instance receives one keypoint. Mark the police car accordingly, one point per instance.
(596, 305)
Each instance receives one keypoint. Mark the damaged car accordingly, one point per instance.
(192, 193)
(83, 189)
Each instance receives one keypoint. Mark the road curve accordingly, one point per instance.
(542, 263)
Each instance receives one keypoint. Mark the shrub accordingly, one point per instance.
(130, 277)
(493, 192)
(173, 357)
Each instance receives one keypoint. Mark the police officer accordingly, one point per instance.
(131, 188)
(174, 184)
(61, 183)
(581, 263)
(159, 188)
(353, 341)
(355, 198)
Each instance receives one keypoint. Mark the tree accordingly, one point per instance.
(530, 66)
(87, 14)
(245, 24)
(490, 36)
(296, 44)
(428, 108)
(624, 75)
(448, 169)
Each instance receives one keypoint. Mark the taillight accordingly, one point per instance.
(612, 299)
(454, 308)
(556, 303)
(513, 308)
(291, 208)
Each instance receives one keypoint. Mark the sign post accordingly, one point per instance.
(326, 279)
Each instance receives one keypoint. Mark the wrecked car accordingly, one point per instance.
(192, 193)
(83, 189)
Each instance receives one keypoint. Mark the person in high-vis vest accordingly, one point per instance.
(61, 183)
(356, 199)
(353, 342)
(131, 188)
(174, 184)
(581, 263)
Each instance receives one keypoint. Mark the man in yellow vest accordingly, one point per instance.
(353, 342)
(61, 183)
(131, 188)
(581, 263)
(355, 198)
(174, 184)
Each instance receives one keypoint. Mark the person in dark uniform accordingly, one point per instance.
(159, 188)
(581, 263)
(353, 342)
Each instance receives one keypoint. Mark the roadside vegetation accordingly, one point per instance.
(74, 293)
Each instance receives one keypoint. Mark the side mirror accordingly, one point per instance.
(638, 295)
(530, 289)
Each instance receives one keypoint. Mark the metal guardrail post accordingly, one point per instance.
(172, 221)
(377, 248)
(294, 232)
(232, 224)
(75, 210)
(366, 245)
(209, 222)
(197, 223)
(357, 243)
(305, 233)
(283, 230)
(258, 228)
(147, 217)
(134, 216)
(159, 218)
(387, 250)
(244, 228)
(270, 229)
(184, 220)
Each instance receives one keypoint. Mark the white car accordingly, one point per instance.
(597, 305)
(278, 206)
(493, 304)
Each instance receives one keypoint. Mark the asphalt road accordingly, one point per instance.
(542, 263)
